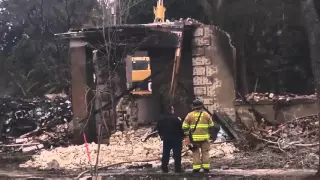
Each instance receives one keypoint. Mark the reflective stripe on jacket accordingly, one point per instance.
(202, 130)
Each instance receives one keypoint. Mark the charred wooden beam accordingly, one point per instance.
(129, 35)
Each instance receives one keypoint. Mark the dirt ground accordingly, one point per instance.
(225, 157)
(264, 159)
(249, 161)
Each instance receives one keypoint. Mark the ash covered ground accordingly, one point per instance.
(292, 145)
(126, 148)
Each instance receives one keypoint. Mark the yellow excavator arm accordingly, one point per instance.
(159, 12)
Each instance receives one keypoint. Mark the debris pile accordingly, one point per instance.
(223, 150)
(189, 21)
(297, 139)
(125, 147)
(301, 132)
(30, 124)
(186, 21)
(256, 97)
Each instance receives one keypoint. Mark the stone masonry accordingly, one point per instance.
(213, 82)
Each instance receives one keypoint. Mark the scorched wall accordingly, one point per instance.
(213, 69)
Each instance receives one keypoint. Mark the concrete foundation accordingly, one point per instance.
(276, 113)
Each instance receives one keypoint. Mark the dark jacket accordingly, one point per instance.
(169, 126)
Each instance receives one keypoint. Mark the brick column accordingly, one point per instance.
(81, 82)
(212, 78)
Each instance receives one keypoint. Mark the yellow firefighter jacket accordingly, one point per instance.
(202, 130)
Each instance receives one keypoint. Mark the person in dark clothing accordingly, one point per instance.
(170, 131)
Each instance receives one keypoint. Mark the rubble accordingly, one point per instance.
(302, 132)
(188, 21)
(294, 144)
(32, 124)
(284, 97)
(39, 126)
(125, 147)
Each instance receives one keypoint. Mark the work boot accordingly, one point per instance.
(196, 170)
(206, 170)
(179, 170)
(165, 169)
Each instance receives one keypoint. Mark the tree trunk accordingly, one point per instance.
(312, 26)
(242, 66)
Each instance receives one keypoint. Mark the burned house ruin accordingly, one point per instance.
(204, 68)
(190, 60)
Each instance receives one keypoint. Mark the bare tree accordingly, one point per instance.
(108, 58)
(312, 26)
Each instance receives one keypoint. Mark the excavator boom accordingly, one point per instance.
(159, 12)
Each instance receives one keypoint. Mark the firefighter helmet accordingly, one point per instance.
(197, 104)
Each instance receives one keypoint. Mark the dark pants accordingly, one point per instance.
(175, 144)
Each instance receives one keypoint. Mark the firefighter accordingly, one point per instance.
(198, 126)
(170, 131)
